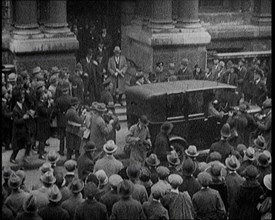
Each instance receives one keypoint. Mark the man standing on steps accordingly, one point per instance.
(62, 105)
(117, 67)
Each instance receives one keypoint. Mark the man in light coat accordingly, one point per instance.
(117, 67)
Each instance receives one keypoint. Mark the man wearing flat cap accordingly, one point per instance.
(73, 129)
(207, 202)
(138, 139)
(178, 204)
(117, 67)
(127, 207)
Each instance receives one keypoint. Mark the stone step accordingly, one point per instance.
(120, 111)
(122, 118)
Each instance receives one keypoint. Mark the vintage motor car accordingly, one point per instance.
(185, 105)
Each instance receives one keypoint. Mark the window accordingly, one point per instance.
(195, 103)
(176, 105)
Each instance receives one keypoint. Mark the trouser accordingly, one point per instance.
(62, 135)
(23, 142)
(41, 148)
(73, 145)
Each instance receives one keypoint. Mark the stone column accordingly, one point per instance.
(127, 12)
(56, 17)
(188, 14)
(25, 19)
(261, 12)
(175, 9)
(146, 11)
(43, 11)
(138, 13)
(161, 15)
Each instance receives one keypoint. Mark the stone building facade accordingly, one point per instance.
(36, 32)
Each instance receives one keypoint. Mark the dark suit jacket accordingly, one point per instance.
(19, 130)
(43, 121)
(85, 165)
(63, 103)
(88, 68)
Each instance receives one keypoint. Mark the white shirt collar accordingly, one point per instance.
(175, 190)
(20, 105)
(258, 80)
(88, 61)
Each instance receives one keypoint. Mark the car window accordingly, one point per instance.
(195, 102)
(176, 105)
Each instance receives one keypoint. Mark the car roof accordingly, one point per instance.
(156, 89)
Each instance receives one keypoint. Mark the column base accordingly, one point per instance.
(188, 24)
(261, 19)
(160, 25)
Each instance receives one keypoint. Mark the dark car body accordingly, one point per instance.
(183, 104)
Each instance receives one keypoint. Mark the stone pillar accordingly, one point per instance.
(43, 8)
(261, 12)
(127, 12)
(26, 19)
(161, 15)
(146, 12)
(188, 14)
(57, 17)
(138, 11)
(175, 9)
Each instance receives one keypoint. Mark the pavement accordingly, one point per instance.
(35, 162)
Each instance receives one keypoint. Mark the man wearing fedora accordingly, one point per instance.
(91, 208)
(184, 73)
(76, 186)
(77, 83)
(15, 200)
(106, 95)
(192, 152)
(85, 163)
(100, 130)
(112, 196)
(233, 182)
(263, 167)
(152, 162)
(162, 144)
(138, 138)
(264, 126)
(54, 210)
(248, 159)
(109, 163)
(174, 162)
(62, 104)
(73, 129)
(259, 88)
(127, 207)
(30, 210)
(189, 183)
(70, 167)
(222, 146)
(41, 194)
(117, 67)
(6, 172)
(266, 199)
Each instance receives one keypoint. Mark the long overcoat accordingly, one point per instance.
(119, 81)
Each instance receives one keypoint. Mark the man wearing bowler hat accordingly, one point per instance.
(222, 146)
(117, 67)
(127, 207)
(73, 129)
(91, 208)
(54, 210)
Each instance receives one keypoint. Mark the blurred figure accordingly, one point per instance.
(184, 73)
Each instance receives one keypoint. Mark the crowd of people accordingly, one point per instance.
(232, 183)
(153, 183)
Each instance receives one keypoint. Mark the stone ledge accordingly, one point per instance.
(239, 31)
(170, 38)
(43, 45)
